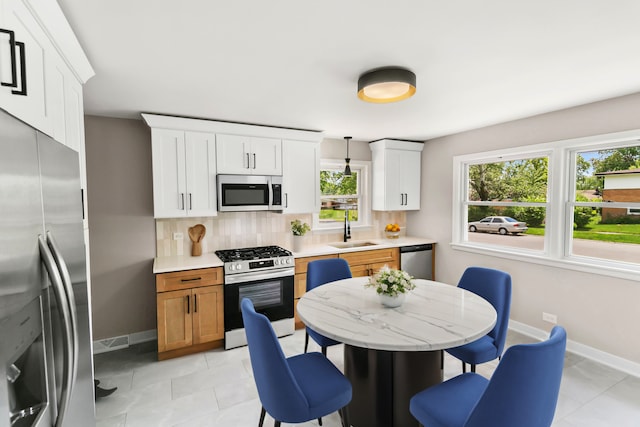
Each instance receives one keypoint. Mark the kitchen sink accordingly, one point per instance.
(349, 245)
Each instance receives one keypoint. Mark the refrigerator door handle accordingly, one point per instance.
(60, 295)
(71, 300)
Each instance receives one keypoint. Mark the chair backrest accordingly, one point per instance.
(495, 287)
(523, 390)
(326, 270)
(278, 390)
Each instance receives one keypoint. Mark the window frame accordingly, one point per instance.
(364, 206)
(560, 203)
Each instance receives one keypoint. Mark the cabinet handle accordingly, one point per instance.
(254, 160)
(193, 279)
(181, 201)
(188, 304)
(190, 204)
(195, 303)
(12, 46)
(248, 161)
(286, 200)
(23, 71)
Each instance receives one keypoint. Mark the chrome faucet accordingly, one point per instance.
(347, 226)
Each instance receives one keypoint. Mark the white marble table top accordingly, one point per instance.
(434, 316)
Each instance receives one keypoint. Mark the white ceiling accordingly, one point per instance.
(295, 63)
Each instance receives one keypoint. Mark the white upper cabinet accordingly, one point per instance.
(42, 69)
(184, 173)
(396, 175)
(300, 176)
(248, 155)
(188, 153)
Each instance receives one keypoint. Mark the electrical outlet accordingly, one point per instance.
(178, 236)
(551, 318)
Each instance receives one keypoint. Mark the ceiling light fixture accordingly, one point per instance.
(347, 168)
(388, 84)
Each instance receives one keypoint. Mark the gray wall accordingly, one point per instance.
(121, 226)
(598, 311)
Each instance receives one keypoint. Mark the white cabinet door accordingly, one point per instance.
(410, 171)
(300, 176)
(27, 100)
(169, 182)
(396, 175)
(266, 156)
(233, 154)
(184, 173)
(245, 155)
(200, 169)
(403, 180)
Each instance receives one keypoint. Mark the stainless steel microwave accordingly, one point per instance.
(249, 193)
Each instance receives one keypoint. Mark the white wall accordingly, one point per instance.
(597, 311)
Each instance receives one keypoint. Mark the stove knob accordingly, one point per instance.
(232, 267)
(276, 261)
(238, 266)
(288, 260)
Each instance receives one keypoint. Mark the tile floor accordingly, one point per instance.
(216, 388)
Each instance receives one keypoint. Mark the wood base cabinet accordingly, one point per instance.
(300, 282)
(190, 311)
(367, 263)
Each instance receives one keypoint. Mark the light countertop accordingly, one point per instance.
(325, 249)
(208, 260)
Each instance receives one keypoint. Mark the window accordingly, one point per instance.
(504, 199)
(340, 194)
(580, 200)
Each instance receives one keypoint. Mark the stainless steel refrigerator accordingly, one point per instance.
(45, 330)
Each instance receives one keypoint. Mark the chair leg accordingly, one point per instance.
(473, 367)
(306, 341)
(464, 367)
(320, 421)
(324, 352)
(343, 417)
(262, 414)
(276, 423)
(441, 359)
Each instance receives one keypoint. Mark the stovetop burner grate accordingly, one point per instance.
(244, 254)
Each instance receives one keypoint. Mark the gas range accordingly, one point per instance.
(262, 258)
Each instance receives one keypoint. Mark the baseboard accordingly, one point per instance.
(123, 341)
(608, 359)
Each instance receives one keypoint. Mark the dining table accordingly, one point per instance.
(392, 353)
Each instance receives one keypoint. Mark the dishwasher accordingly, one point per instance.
(417, 260)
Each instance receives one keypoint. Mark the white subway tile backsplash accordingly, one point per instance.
(246, 229)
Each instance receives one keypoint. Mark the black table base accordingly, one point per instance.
(384, 381)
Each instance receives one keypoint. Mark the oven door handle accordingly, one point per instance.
(257, 276)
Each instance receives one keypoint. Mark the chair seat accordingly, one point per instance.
(321, 382)
(321, 339)
(448, 404)
(479, 351)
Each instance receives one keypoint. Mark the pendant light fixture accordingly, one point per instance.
(387, 84)
(347, 168)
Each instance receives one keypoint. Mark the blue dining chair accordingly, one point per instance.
(522, 392)
(295, 389)
(495, 287)
(318, 273)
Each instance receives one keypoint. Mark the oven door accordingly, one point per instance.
(271, 294)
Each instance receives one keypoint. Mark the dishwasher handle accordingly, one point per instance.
(416, 248)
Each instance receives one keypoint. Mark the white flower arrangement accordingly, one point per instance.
(391, 282)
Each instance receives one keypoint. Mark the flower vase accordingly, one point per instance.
(392, 301)
(298, 243)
